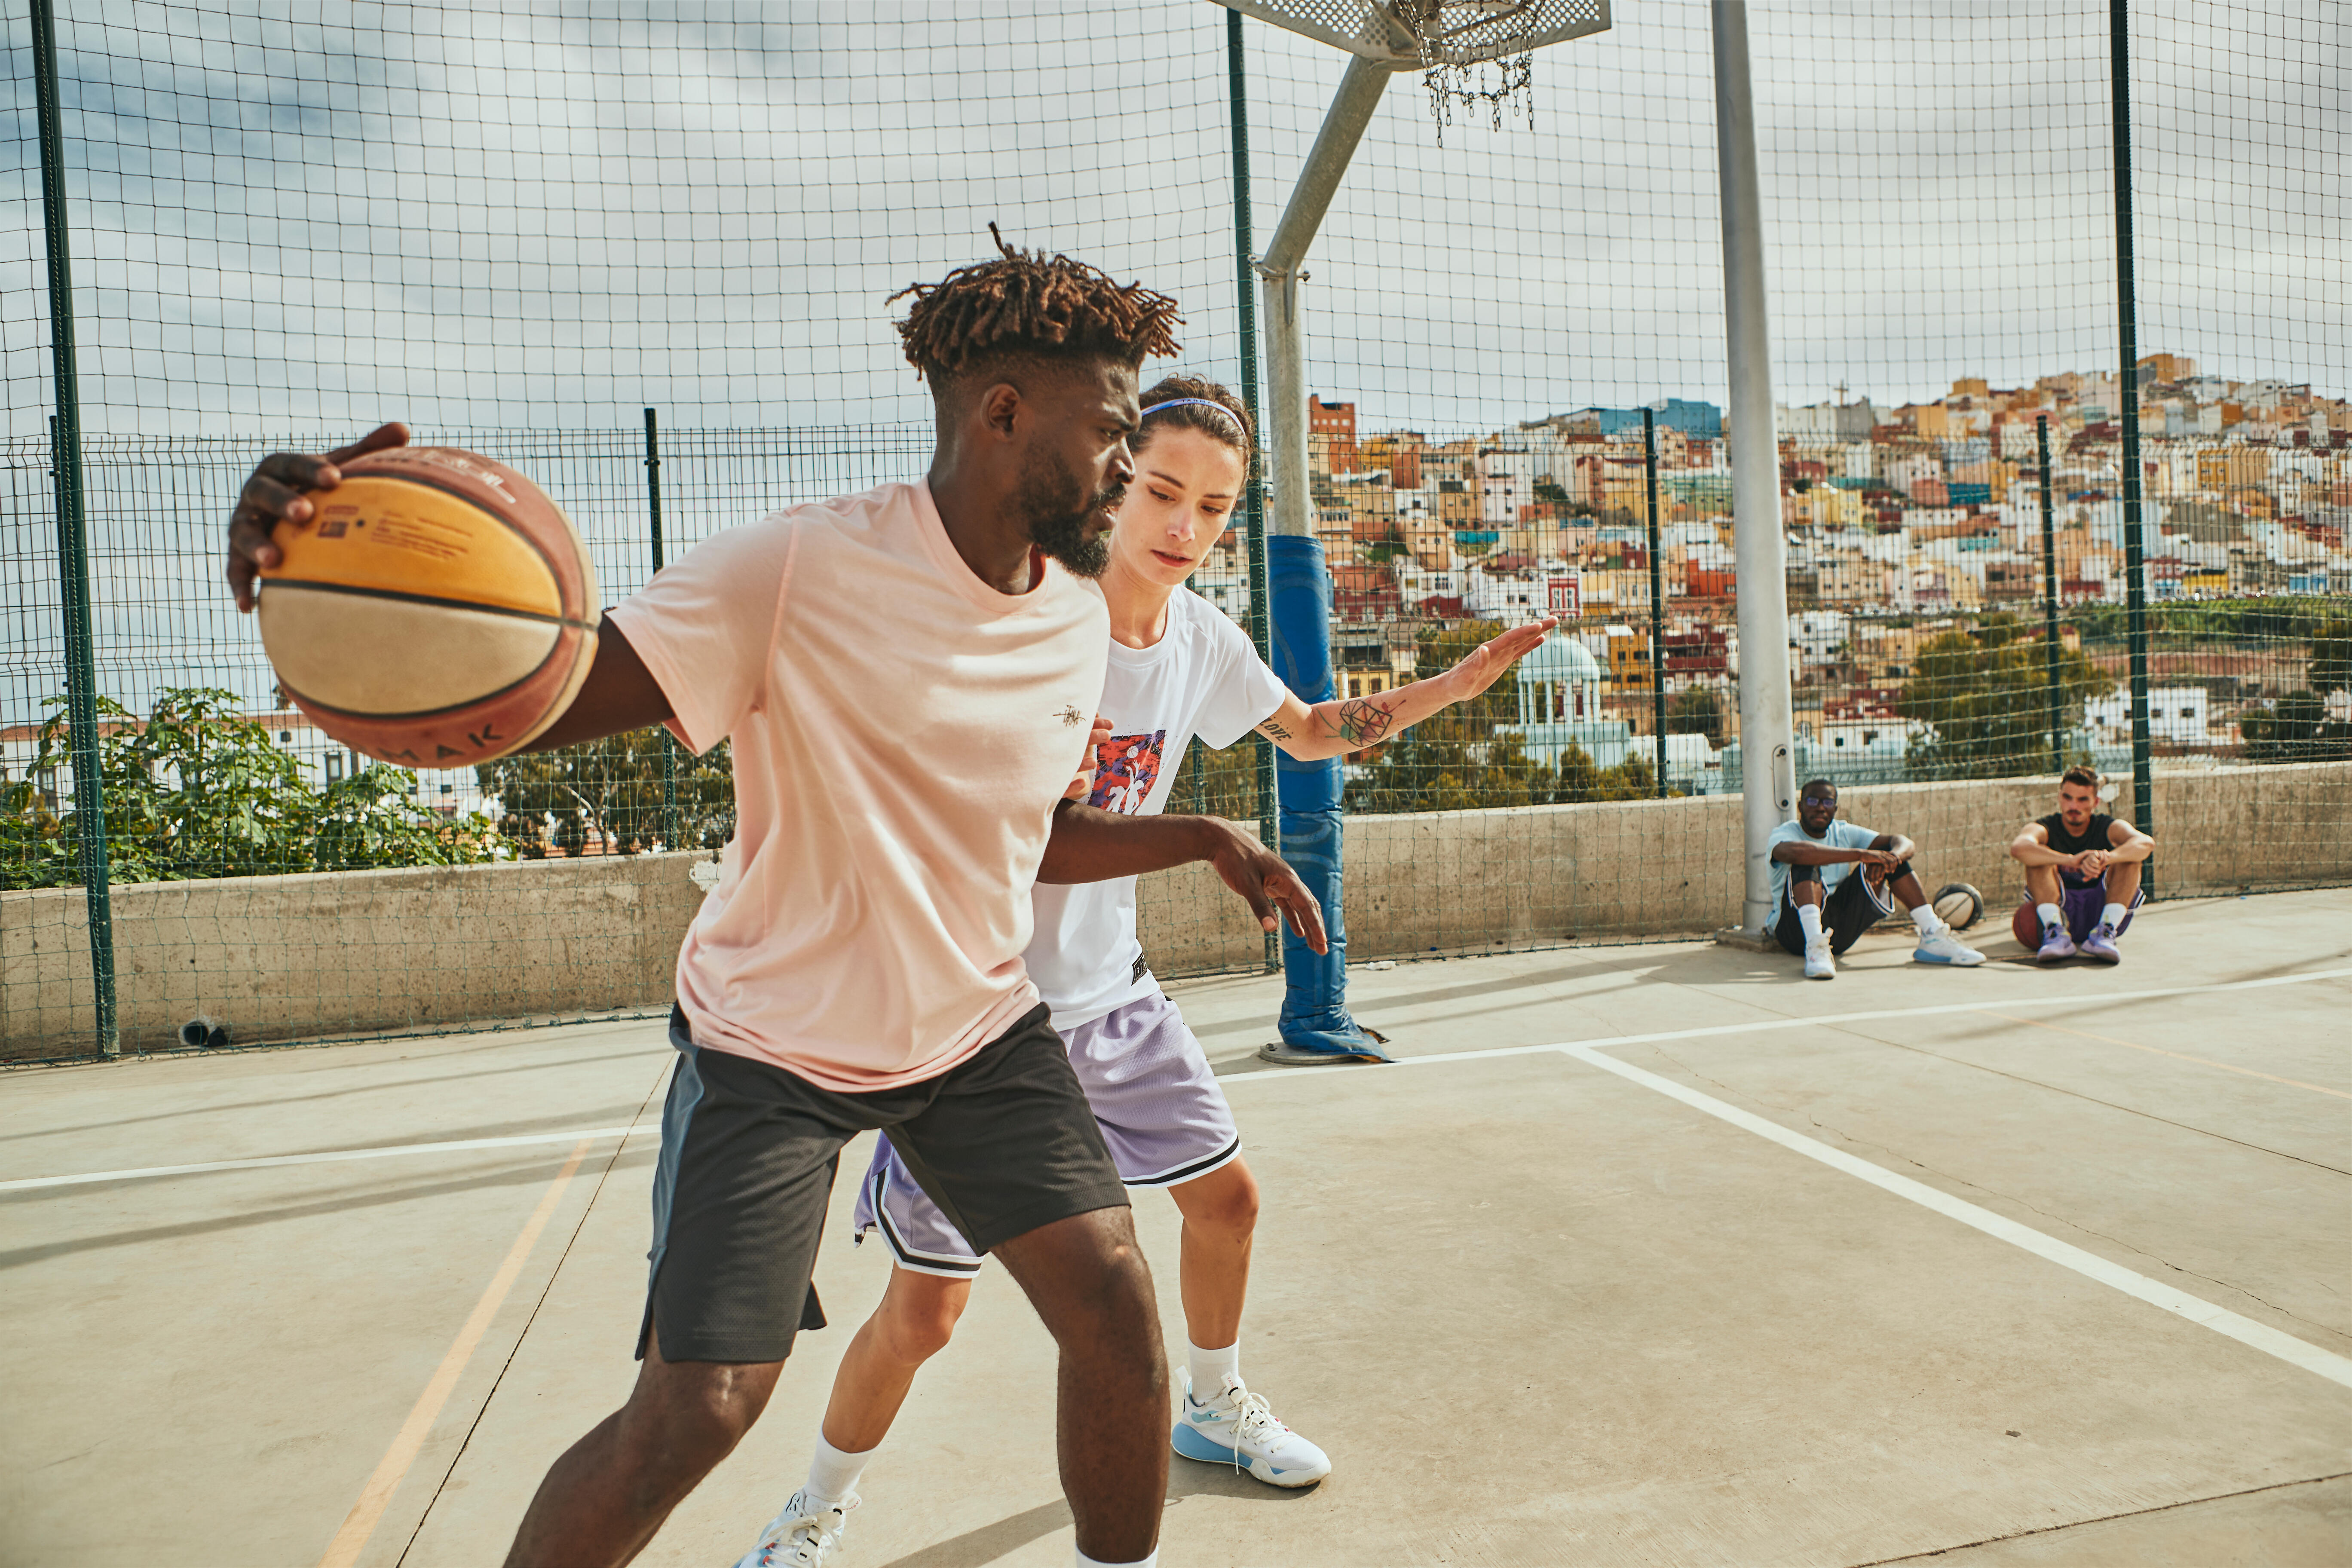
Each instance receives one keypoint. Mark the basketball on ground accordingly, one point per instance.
(1958, 905)
(2025, 925)
(437, 609)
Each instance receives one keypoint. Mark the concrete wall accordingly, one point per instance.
(341, 952)
(297, 957)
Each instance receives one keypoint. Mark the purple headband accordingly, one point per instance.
(1181, 402)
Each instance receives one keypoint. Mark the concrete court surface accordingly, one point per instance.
(1539, 1310)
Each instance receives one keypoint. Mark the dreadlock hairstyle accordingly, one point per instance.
(1196, 403)
(1029, 304)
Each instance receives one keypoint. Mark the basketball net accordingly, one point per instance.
(1492, 84)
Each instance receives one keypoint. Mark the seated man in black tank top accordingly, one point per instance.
(2083, 872)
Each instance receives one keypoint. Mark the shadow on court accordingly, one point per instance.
(1537, 1310)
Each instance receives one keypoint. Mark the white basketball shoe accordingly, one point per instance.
(803, 1536)
(1233, 1427)
(1945, 948)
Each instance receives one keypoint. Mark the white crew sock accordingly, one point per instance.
(833, 1475)
(1923, 917)
(1809, 916)
(1150, 1561)
(1209, 1367)
(2112, 917)
(2050, 916)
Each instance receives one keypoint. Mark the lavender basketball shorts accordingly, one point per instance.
(2083, 900)
(1157, 1103)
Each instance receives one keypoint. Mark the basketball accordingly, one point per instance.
(1958, 905)
(2025, 925)
(436, 611)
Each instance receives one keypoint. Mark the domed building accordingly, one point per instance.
(1560, 686)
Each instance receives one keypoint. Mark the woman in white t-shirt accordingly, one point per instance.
(1178, 669)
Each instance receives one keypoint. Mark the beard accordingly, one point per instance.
(1057, 509)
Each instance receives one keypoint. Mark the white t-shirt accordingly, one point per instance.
(903, 733)
(1840, 834)
(1202, 677)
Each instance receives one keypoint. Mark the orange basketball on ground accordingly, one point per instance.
(436, 611)
(2025, 925)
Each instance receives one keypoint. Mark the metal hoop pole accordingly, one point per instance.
(1760, 553)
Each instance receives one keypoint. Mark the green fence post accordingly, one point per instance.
(669, 742)
(1657, 597)
(2049, 593)
(2134, 544)
(73, 544)
(1261, 630)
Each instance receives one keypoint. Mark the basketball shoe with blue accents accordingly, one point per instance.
(1233, 1427)
(803, 1536)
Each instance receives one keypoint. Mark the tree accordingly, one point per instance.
(198, 790)
(2331, 656)
(612, 788)
(2297, 729)
(1984, 699)
(1696, 710)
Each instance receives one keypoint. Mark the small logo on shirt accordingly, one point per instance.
(1071, 716)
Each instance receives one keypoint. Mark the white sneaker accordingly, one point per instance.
(803, 1536)
(1820, 962)
(1235, 1427)
(1945, 948)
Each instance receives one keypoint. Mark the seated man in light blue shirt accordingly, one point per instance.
(1819, 906)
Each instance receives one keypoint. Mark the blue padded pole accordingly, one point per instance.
(1315, 993)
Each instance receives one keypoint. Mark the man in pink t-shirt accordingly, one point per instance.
(907, 678)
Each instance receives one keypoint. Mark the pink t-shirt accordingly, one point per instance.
(901, 735)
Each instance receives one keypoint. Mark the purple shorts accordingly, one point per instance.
(1154, 1095)
(2083, 900)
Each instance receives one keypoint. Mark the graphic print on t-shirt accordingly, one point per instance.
(1126, 767)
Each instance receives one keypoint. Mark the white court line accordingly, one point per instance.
(2075, 999)
(1761, 1025)
(452, 1147)
(2090, 1265)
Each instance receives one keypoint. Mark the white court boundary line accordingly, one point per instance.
(1764, 1025)
(1760, 1025)
(454, 1146)
(2090, 1265)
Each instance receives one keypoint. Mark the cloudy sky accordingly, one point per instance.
(295, 218)
(500, 215)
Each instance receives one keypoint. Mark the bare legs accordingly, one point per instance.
(2044, 886)
(918, 1312)
(912, 1324)
(1220, 1212)
(603, 1501)
(1088, 1281)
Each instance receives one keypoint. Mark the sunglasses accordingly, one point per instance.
(1820, 800)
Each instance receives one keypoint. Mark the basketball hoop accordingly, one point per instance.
(1471, 53)
(1449, 42)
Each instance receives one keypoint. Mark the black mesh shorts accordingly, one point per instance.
(1003, 1143)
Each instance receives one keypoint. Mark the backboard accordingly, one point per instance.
(1415, 34)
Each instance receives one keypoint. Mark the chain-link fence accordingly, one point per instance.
(517, 229)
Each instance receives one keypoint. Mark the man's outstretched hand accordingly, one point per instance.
(279, 492)
(1267, 883)
(1090, 845)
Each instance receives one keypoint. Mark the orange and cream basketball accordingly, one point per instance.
(437, 609)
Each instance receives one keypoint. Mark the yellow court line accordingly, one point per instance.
(2159, 1051)
(360, 1522)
